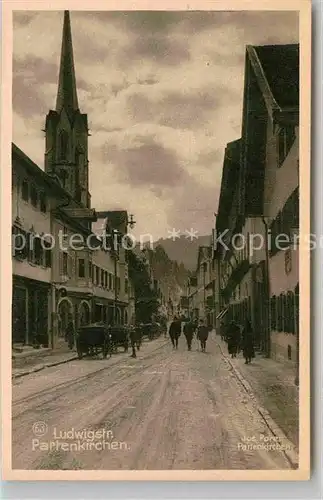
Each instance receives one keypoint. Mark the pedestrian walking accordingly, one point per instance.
(188, 331)
(202, 334)
(233, 338)
(223, 331)
(138, 340)
(132, 334)
(247, 342)
(175, 331)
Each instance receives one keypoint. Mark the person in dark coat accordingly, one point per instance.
(139, 333)
(247, 342)
(202, 334)
(133, 338)
(223, 330)
(175, 331)
(233, 338)
(188, 330)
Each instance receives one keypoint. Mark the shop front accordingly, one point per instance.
(30, 312)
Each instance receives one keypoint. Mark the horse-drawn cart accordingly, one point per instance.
(92, 340)
(119, 336)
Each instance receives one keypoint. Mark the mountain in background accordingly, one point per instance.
(171, 275)
(183, 250)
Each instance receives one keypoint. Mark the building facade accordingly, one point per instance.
(69, 273)
(33, 197)
(259, 204)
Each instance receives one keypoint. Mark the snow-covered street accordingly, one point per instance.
(167, 409)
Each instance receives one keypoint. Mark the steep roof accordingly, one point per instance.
(37, 173)
(230, 180)
(281, 68)
(276, 68)
(67, 94)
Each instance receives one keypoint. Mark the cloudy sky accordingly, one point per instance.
(163, 94)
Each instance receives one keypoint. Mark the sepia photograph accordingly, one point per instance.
(158, 179)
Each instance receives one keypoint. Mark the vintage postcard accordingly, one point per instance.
(156, 163)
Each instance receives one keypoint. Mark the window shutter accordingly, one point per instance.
(292, 312)
(284, 314)
(60, 263)
(48, 257)
(279, 315)
(273, 313)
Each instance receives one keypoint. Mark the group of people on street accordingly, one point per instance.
(190, 328)
(238, 339)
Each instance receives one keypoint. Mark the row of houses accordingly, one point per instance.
(251, 267)
(63, 267)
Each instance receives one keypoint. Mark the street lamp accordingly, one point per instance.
(131, 222)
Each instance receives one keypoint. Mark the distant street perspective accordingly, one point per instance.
(168, 409)
(155, 241)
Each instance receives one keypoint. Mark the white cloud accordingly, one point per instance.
(182, 90)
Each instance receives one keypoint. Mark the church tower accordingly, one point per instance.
(66, 129)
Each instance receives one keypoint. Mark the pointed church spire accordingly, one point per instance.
(67, 95)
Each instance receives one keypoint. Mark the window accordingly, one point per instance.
(276, 231)
(97, 275)
(25, 190)
(65, 263)
(19, 243)
(90, 270)
(38, 254)
(105, 279)
(94, 274)
(102, 278)
(295, 203)
(43, 202)
(30, 247)
(288, 261)
(287, 219)
(286, 138)
(48, 254)
(110, 281)
(33, 195)
(81, 268)
(63, 145)
(126, 286)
